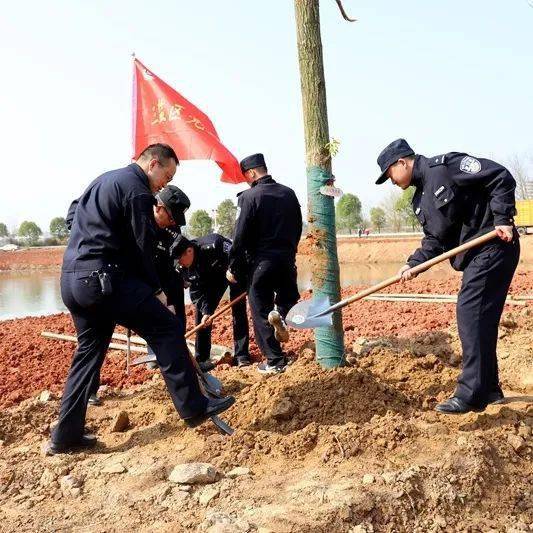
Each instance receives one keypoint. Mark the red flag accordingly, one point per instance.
(161, 114)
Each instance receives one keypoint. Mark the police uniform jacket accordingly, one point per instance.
(457, 198)
(112, 223)
(170, 278)
(269, 224)
(208, 270)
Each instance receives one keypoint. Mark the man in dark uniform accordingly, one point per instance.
(108, 277)
(204, 262)
(267, 232)
(459, 197)
(169, 215)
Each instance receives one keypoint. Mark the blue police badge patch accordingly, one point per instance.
(470, 165)
(226, 247)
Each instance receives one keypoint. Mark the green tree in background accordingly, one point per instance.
(405, 209)
(200, 224)
(30, 231)
(3, 230)
(58, 228)
(226, 216)
(348, 213)
(378, 218)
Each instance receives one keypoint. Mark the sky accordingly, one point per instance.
(446, 75)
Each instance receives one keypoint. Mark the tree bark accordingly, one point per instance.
(321, 208)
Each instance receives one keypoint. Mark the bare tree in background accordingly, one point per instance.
(520, 168)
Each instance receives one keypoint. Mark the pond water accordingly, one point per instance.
(37, 293)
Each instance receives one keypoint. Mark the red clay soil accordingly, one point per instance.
(30, 363)
(46, 258)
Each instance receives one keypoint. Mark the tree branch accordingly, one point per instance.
(343, 13)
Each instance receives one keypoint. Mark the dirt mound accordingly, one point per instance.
(353, 449)
(30, 363)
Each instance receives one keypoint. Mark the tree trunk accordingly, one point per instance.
(321, 209)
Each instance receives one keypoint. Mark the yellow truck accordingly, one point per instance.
(524, 216)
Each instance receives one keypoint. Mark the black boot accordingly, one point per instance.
(215, 406)
(87, 441)
(456, 406)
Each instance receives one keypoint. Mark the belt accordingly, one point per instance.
(91, 264)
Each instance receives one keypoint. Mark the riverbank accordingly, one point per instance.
(365, 250)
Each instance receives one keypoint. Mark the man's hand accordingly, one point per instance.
(172, 309)
(406, 274)
(505, 233)
(206, 321)
(230, 277)
(162, 297)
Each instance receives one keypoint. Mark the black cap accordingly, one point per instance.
(176, 201)
(180, 244)
(390, 155)
(253, 161)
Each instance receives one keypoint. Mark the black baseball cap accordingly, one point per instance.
(180, 244)
(176, 201)
(253, 161)
(390, 155)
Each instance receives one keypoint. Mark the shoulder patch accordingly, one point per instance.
(437, 160)
(226, 246)
(470, 165)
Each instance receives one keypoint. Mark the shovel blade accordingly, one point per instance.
(304, 314)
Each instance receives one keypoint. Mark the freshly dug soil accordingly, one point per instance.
(30, 363)
(356, 449)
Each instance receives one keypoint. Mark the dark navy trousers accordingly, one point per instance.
(272, 281)
(486, 281)
(131, 305)
(241, 337)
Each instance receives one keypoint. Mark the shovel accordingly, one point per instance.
(317, 313)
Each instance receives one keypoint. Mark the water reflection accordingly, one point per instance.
(37, 293)
(29, 294)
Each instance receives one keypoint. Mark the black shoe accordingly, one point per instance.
(87, 441)
(94, 400)
(206, 366)
(495, 397)
(456, 406)
(242, 361)
(265, 368)
(215, 406)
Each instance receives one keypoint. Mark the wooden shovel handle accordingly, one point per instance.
(221, 311)
(415, 270)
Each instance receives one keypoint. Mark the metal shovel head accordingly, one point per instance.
(304, 315)
(222, 426)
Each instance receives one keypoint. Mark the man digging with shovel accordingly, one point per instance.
(458, 200)
(459, 197)
(203, 263)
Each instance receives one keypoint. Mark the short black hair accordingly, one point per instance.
(161, 152)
